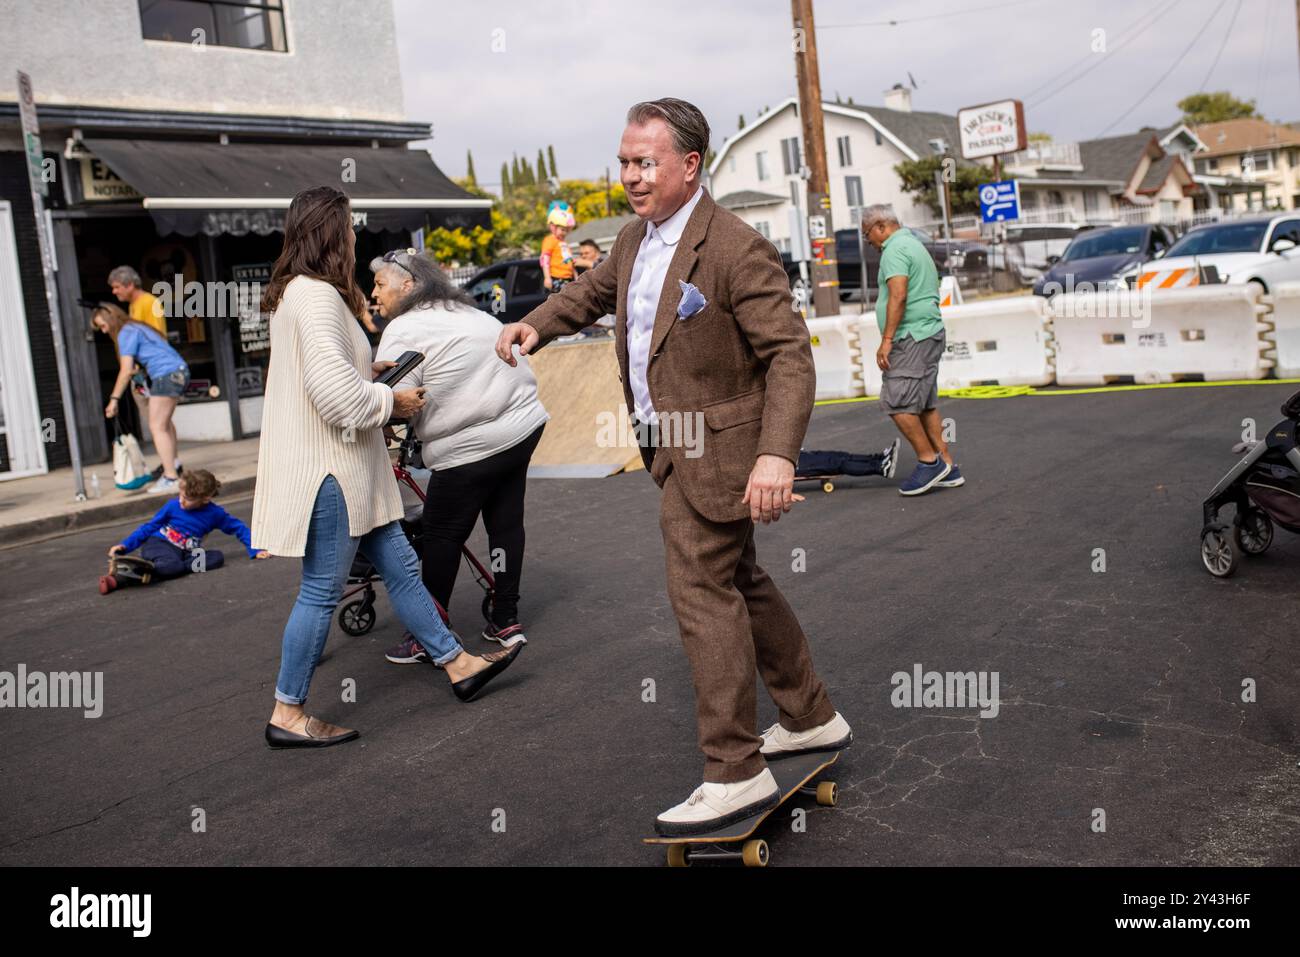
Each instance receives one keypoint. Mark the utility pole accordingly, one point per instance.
(825, 269)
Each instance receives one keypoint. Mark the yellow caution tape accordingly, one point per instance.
(1009, 391)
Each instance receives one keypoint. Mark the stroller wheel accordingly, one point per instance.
(357, 617)
(1219, 550)
(1253, 531)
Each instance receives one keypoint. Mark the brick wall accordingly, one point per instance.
(14, 187)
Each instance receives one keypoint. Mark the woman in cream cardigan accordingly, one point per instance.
(325, 486)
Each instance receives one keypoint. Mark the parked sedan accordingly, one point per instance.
(1098, 258)
(1261, 250)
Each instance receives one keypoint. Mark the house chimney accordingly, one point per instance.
(898, 97)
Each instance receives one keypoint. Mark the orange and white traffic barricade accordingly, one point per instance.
(1186, 277)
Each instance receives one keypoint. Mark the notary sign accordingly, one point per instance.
(992, 129)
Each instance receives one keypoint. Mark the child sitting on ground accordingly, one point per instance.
(171, 542)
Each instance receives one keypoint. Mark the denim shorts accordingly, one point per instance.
(172, 385)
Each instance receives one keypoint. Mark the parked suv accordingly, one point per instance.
(520, 282)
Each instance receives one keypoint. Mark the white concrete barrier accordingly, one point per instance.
(994, 342)
(837, 357)
(1286, 329)
(997, 342)
(1212, 332)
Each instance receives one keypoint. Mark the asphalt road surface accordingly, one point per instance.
(1118, 690)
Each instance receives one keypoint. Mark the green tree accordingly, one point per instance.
(505, 179)
(1215, 108)
(550, 153)
(469, 167)
(740, 123)
(917, 177)
(541, 165)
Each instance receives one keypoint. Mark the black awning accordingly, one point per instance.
(192, 188)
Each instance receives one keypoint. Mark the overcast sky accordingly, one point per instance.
(563, 72)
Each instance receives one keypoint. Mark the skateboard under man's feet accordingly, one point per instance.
(793, 775)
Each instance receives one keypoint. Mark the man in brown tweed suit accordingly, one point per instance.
(705, 331)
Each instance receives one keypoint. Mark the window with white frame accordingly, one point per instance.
(1261, 160)
(761, 157)
(845, 149)
(790, 156)
(853, 190)
(764, 229)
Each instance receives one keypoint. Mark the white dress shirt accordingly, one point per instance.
(647, 281)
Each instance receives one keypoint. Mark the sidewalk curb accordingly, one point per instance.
(110, 513)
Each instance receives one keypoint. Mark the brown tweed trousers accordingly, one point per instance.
(744, 365)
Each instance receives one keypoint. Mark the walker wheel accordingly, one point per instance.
(1253, 531)
(356, 618)
(827, 793)
(677, 856)
(754, 853)
(1219, 550)
(828, 487)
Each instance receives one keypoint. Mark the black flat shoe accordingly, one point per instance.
(467, 688)
(277, 738)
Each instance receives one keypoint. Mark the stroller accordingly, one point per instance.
(357, 616)
(1265, 488)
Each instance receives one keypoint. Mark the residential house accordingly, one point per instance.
(1254, 150)
(756, 173)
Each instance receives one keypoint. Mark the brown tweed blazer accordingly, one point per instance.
(744, 361)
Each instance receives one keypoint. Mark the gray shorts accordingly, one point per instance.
(911, 383)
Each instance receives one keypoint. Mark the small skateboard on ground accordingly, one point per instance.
(793, 776)
(827, 485)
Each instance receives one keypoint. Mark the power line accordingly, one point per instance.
(1158, 15)
(1188, 49)
(933, 16)
(1226, 34)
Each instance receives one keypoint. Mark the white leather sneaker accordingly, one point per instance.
(716, 805)
(834, 735)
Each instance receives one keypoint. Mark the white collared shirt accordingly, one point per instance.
(647, 281)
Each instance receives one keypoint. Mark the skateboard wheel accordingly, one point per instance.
(754, 853)
(677, 856)
(827, 793)
(828, 487)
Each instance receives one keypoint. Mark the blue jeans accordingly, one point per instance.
(329, 553)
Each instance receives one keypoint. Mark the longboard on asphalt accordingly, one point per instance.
(793, 776)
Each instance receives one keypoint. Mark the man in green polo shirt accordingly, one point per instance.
(911, 345)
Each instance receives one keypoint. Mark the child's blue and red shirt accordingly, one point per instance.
(185, 528)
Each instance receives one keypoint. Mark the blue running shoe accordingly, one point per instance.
(924, 477)
(952, 480)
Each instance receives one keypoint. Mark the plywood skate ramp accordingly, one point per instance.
(577, 382)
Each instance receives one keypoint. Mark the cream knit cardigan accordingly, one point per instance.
(322, 415)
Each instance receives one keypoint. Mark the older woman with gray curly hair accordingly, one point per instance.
(479, 428)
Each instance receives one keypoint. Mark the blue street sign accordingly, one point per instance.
(1000, 201)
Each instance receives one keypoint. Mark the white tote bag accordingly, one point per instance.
(129, 470)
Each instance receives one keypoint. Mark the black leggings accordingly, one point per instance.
(493, 487)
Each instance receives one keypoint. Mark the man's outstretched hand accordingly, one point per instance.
(516, 334)
(770, 489)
